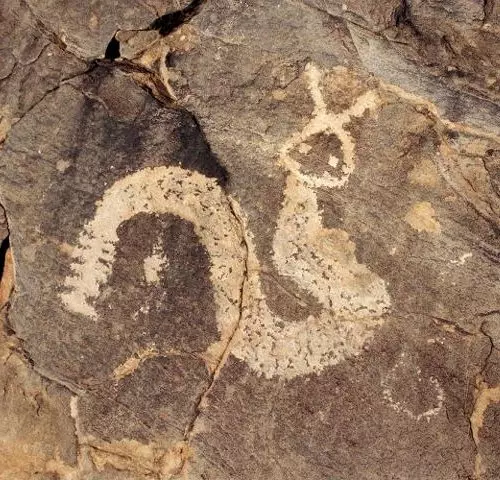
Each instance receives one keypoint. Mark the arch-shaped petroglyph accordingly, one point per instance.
(319, 260)
(189, 195)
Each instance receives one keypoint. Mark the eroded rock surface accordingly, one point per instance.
(251, 240)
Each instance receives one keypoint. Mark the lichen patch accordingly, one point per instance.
(422, 217)
(425, 173)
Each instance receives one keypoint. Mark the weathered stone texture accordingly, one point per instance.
(250, 240)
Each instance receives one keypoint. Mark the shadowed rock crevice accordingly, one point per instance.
(488, 7)
(7, 271)
(403, 16)
(167, 23)
(164, 25)
(113, 49)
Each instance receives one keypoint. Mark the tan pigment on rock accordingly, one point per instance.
(421, 217)
(460, 161)
(433, 110)
(323, 261)
(130, 365)
(190, 196)
(8, 278)
(6, 120)
(463, 258)
(158, 459)
(485, 396)
(158, 190)
(154, 264)
(300, 348)
(35, 432)
(133, 456)
(274, 347)
(62, 165)
(329, 123)
(425, 174)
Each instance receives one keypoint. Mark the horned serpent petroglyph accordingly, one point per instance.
(319, 260)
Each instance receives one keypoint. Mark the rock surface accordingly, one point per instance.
(250, 240)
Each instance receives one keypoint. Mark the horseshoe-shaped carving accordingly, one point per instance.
(320, 260)
(189, 195)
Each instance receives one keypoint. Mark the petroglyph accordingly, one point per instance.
(330, 124)
(303, 249)
(404, 371)
(190, 196)
(319, 260)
